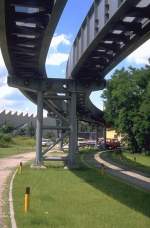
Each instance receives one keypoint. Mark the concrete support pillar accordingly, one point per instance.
(59, 133)
(97, 131)
(77, 149)
(73, 129)
(62, 142)
(104, 135)
(39, 126)
(62, 132)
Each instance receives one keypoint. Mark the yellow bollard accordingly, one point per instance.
(20, 168)
(27, 199)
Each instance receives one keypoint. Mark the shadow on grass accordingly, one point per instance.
(125, 162)
(133, 198)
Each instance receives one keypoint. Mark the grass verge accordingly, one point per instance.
(20, 144)
(137, 162)
(78, 198)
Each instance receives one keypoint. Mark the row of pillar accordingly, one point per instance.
(73, 134)
(73, 128)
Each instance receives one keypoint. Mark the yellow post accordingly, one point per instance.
(20, 168)
(27, 199)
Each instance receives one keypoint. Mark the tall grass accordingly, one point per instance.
(16, 145)
(138, 162)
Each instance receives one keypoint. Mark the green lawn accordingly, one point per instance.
(140, 158)
(142, 162)
(20, 144)
(78, 199)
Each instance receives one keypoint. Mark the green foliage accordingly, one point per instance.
(5, 140)
(24, 141)
(22, 132)
(85, 127)
(6, 129)
(15, 145)
(31, 130)
(50, 135)
(137, 162)
(127, 105)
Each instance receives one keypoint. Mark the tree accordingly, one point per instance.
(31, 130)
(127, 105)
(6, 128)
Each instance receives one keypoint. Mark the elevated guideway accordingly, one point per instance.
(27, 28)
(26, 31)
(110, 32)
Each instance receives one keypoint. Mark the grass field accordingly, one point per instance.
(20, 144)
(78, 199)
(140, 158)
(142, 162)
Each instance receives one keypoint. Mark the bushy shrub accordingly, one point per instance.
(5, 140)
(5, 129)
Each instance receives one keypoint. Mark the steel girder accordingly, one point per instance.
(103, 41)
(110, 31)
(108, 34)
(27, 28)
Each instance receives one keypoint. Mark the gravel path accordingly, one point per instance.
(7, 165)
(126, 175)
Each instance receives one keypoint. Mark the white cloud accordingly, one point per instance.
(5, 102)
(2, 64)
(17, 104)
(141, 55)
(7, 91)
(10, 98)
(58, 40)
(57, 59)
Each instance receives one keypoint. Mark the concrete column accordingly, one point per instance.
(39, 125)
(73, 128)
(77, 149)
(59, 133)
(104, 135)
(62, 141)
(97, 136)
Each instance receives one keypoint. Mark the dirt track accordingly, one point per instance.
(7, 165)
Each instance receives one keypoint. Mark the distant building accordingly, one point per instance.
(18, 121)
(112, 134)
(90, 134)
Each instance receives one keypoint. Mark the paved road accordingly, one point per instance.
(6, 167)
(125, 174)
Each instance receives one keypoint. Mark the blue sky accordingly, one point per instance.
(73, 15)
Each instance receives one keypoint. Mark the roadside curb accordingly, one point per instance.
(129, 177)
(11, 207)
